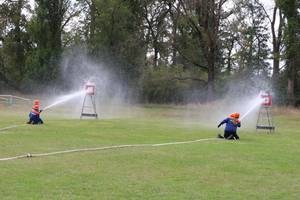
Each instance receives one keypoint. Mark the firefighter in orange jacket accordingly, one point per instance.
(34, 115)
(232, 123)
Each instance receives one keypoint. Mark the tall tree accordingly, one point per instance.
(290, 9)
(115, 36)
(13, 41)
(252, 46)
(46, 30)
(204, 18)
(154, 14)
(276, 20)
(174, 11)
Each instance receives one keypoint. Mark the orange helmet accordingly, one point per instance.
(36, 102)
(35, 107)
(235, 115)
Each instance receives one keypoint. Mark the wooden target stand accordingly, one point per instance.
(89, 103)
(265, 118)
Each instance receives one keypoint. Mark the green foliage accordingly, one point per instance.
(147, 41)
(39, 66)
(290, 9)
(116, 38)
(110, 29)
(13, 42)
(252, 39)
(45, 29)
(172, 85)
(188, 45)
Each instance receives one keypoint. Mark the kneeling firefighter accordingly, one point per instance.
(34, 115)
(232, 122)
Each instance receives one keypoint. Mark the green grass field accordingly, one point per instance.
(259, 166)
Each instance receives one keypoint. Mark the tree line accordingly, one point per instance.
(167, 50)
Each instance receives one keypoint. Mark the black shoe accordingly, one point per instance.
(220, 136)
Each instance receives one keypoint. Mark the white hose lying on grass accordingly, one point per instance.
(10, 127)
(29, 155)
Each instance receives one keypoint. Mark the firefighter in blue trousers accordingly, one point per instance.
(232, 122)
(34, 115)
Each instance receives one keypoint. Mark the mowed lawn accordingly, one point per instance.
(259, 166)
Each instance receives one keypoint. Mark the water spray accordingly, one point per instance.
(256, 102)
(65, 98)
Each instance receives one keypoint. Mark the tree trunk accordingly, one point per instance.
(174, 51)
(276, 61)
(155, 59)
(291, 83)
(229, 57)
(20, 57)
(290, 92)
(276, 45)
(290, 12)
(211, 75)
(92, 23)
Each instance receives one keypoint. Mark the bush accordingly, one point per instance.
(171, 85)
